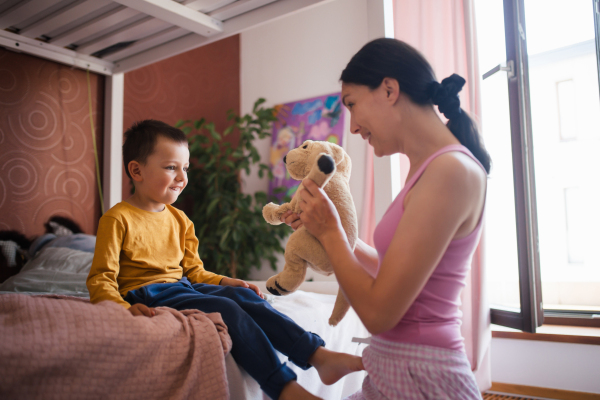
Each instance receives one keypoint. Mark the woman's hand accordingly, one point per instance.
(240, 283)
(292, 219)
(141, 309)
(319, 215)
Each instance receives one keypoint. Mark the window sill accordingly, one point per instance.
(552, 333)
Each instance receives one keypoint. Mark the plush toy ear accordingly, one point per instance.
(337, 152)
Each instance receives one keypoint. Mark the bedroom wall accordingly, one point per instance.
(204, 82)
(47, 163)
(297, 57)
(565, 366)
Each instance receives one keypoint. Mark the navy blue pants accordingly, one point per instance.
(256, 328)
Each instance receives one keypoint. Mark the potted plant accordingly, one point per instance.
(232, 234)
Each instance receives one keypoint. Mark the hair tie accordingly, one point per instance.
(445, 95)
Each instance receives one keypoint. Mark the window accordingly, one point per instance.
(565, 93)
(575, 226)
(541, 125)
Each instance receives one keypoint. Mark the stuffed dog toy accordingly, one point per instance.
(329, 166)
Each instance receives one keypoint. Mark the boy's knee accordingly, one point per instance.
(228, 304)
(245, 294)
(236, 291)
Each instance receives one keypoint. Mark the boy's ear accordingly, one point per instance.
(135, 171)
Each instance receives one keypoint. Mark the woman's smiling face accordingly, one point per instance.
(370, 116)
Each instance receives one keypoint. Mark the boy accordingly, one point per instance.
(147, 256)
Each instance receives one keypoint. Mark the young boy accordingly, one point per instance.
(147, 256)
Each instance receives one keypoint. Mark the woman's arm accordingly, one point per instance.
(367, 256)
(438, 206)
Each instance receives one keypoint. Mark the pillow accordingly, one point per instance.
(56, 270)
(61, 259)
(79, 241)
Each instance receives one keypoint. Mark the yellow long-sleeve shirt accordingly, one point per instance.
(135, 248)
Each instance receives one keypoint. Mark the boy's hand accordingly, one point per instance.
(140, 309)
(240, 283)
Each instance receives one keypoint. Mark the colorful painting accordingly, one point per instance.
(319, 118)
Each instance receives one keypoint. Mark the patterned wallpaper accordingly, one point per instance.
(47, 162)
(204, 82)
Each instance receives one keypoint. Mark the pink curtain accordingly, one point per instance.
(367, 221)
(444, 31)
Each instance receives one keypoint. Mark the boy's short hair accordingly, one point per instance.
(141, 138)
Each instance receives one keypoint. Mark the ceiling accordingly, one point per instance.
(114, 36)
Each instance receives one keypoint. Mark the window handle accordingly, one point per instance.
(508, 66)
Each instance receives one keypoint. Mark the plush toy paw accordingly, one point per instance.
(340, 308)
(275, 288)
(271, 214)
(333, 321)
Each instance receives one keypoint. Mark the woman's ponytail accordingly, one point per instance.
(445, 96)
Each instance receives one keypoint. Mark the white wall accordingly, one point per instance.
(565, 366)
(298, 57)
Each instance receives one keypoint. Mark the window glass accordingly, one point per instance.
(500, 233)
(565, 118)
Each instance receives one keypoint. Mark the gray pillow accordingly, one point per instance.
(56, 270)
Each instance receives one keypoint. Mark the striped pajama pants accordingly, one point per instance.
(410, 371)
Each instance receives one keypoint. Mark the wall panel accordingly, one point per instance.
(46, 151)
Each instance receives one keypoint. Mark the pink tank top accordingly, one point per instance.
(434, 318)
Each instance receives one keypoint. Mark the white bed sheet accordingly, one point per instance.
(311, 311)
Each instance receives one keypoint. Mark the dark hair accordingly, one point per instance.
(392, 58)
(141, 138)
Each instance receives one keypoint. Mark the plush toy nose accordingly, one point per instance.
(284, 157)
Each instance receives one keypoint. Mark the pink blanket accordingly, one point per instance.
(58, 347)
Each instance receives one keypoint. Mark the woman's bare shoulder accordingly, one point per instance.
(456, 168)
(452, 177)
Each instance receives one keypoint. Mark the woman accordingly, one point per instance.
(409, 299)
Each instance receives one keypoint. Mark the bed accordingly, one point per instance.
(184, 355)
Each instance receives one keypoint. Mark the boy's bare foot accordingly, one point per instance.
(332, 366)
(293, 391)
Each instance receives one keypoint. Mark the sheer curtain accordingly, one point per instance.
(444, 32)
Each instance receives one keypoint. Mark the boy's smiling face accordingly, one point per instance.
(163, 177)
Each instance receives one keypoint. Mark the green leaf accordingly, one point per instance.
(229, 164)
(212, 205)
(215, 135)
(198, 123)
(224, 238)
